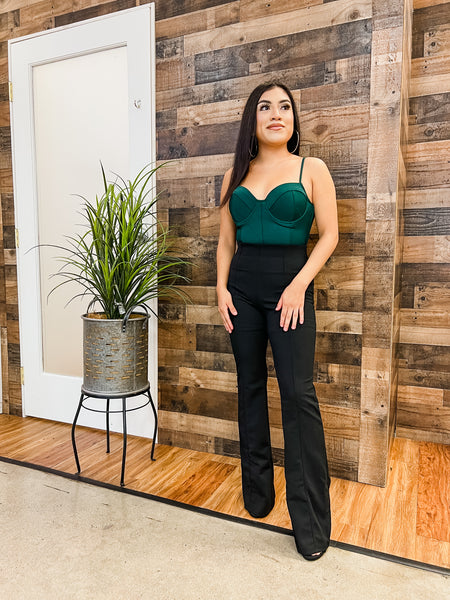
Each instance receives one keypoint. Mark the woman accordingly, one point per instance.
(265, 292)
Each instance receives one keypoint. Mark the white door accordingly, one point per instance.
(81, 94)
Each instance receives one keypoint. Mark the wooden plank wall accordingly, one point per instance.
(354, 292)
(198, 125)
(424, 373)
(385, 185)
(210, 55)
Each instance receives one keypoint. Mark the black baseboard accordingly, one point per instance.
(205, 511)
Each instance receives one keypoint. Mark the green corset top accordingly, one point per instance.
(284, 217)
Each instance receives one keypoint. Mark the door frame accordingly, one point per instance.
(133, 28)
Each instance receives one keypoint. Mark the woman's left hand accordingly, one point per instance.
(291, 304)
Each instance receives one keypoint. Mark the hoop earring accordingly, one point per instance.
(296, 145)
(253, 143)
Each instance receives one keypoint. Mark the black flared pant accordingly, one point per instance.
(258, 276)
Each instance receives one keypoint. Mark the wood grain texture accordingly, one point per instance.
(420, 412)
(187, 23)
(430, 76)
(166, 9)
(430, 151)
(342, 60)
(209, 333)
(423, 324)
(413, 395)
(427, 19)
(255, 9)
(423, 3)
(433, 502)
(390, 59)
(427, 249)
(437, 41)
(341, 41)
(416, 274)
(408, 518)
(425, 327)
(282, 24)
(434, 297)
(422, 420)
(66, 17)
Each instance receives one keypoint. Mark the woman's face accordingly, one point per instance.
(274, 118)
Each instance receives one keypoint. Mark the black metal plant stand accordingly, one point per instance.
(86, 394)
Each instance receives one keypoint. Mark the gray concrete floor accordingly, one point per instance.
(63, 539)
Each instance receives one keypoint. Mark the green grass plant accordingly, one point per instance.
(124, 257)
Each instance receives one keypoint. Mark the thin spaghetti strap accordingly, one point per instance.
(301, 170)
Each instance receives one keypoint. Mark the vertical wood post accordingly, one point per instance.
(391, 42)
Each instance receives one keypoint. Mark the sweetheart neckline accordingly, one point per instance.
(273, 189)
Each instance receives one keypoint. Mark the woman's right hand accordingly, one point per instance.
(226, 306)
(225, 252)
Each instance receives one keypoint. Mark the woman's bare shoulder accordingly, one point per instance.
(225, 183)
(315, 164)
(227, 175)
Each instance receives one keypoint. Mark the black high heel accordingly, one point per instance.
(314, 556)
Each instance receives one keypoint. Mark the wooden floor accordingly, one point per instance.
(408, 518)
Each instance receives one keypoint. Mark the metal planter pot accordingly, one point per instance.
(115, 358)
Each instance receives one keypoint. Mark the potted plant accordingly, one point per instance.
(123, 259)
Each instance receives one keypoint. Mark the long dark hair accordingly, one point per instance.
(246, 138)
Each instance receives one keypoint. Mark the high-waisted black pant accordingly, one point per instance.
(258, 276)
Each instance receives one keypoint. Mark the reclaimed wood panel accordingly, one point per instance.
(413, 395)
(334, 124)
(174, 73)
(429, 151)
(198, 295)
(339, 60)
(197, 115)
(199, 141)
(425, 318)
(198, 20)
(348, 85)
(11, 5)
(427, 249)
(437, 41)
(390, 60)
(423, 3)
(281, 24)
(422, 414)
(352, 91)
(186, 193)
(413, 431)
(427, 85)
(432, 174)
(427, 221)
(425, 132)
(171, 8)
(341, 395)
(198, 401)
(340, 41)
(214, 361)
(423, 417)
(424, 357)
(255, 9)
(209, 333)
(427, 19)
(414, 334)
(415, 274)
(425, 327)
(423, 71)
(433, 297)
(427, 198)
(339, 322)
